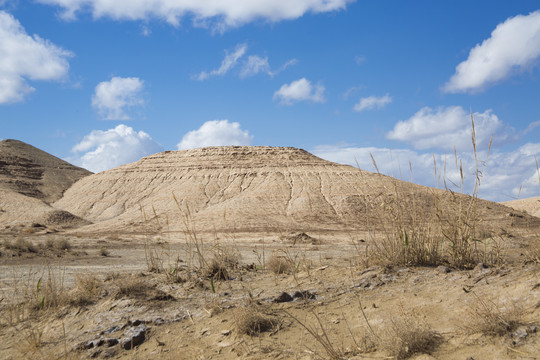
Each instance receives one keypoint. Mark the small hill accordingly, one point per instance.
(259, 189)
(32, 172)
(530, 205)
(31, 179)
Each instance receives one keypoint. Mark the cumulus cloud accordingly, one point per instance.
(514, 45)
(230, 61)
(220, 14)
(300, 90)
(215, 133)
(113, 99)
(506, 175)
(372, 102)
(24, 57)
(447, 127)
(102, 150)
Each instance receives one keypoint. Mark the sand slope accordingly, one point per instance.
(530, 205)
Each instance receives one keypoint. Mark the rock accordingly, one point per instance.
(283, 297)
(134, 336)
(443, 269)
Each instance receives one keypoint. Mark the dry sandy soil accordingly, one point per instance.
(279, 255)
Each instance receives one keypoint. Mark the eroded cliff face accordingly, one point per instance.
(31, 179)
(239, 189)
(32, 172)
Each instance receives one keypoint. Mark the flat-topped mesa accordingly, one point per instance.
(220, 157)
(240, 189)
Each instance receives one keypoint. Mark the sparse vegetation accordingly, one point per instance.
(489, 318)
(409, 334)
(279, 264)
(20, 245)
(251, 321)
(86, 291)
(412, 235)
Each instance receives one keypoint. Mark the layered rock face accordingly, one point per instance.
(242, 189)
(35, 173)
(30, 179)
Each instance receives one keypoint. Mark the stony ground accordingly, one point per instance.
(268, 297)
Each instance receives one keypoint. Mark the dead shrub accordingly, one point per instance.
(409, 334)
(251, 321)
(488, 318)
(216, 269)
(20, 245)
(133, 287)
(280, 265)
(87, 289)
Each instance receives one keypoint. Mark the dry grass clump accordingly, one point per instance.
(409, 234)
(20, 245)
(133, 287)
(61, 244)
(223, 262)
(251, 321)
(488, 318)
(280, 264)
(87, 289)
(216, 269)
(319, 331)
(407, 336)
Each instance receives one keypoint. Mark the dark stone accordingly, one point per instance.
(134, 336)
(283, 297)
(110, 342)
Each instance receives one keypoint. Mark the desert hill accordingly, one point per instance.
(35, 173)
(530, 205)
(257, 189)
(30, 179)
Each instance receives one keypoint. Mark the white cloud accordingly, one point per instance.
(215, 133)
(103, 150)
(501, 179)
(24, 57)
(256, 64)
(300, 90)
(114, 98)
(221, 14)
(230, 61)
(447, 127)
(372, 102)
(514, 45)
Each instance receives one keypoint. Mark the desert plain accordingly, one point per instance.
(258, 253)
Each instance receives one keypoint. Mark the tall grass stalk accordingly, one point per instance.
(431, 227)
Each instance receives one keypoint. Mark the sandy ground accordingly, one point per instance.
(348, 307)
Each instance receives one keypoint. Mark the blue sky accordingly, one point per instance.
(103, 82)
